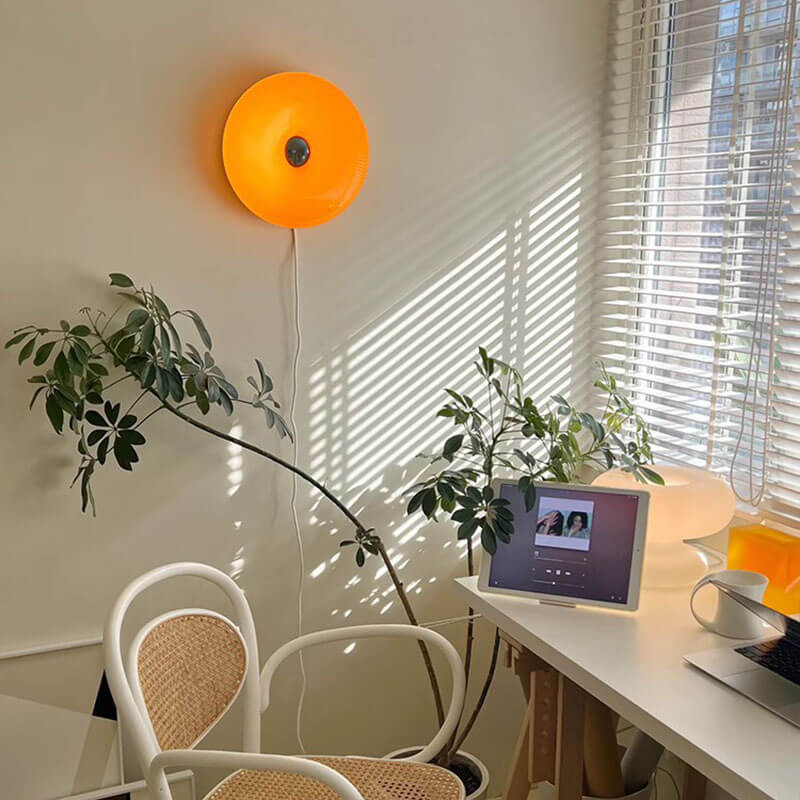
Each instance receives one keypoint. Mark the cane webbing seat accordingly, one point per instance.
(376, 779)
(190, 669)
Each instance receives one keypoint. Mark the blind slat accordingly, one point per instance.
(698, 273)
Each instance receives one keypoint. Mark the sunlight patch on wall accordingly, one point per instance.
(235, 476)
(522, 293)
(235, 473)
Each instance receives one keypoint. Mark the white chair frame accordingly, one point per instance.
(254, 692)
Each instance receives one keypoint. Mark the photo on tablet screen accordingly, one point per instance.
(564, 523)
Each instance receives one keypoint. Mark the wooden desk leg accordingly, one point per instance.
(551, 742)
(602, 772)
(694, 784)
(569, 740)
(543, 726)
(539, 684)
(518, 784)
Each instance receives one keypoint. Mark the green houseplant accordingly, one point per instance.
(81, 368)
(505, 434)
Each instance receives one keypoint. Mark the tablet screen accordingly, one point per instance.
(575, 542)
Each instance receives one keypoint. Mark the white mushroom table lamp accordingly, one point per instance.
(692, 503)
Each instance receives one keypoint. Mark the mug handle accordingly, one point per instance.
(704, 581)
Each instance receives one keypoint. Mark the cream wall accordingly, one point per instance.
(474, 226)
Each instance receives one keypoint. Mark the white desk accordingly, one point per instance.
(46, 751)
(633, 663)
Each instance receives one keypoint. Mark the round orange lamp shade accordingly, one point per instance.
(295, 150)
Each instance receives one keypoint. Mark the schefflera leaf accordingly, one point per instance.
(513, 436)
(263, 399)
(80, 363)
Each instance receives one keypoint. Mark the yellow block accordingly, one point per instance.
(774, 554)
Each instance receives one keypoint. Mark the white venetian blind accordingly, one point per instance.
(698, 307)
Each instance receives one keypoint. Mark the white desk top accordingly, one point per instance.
(633, 662)
(47, 751)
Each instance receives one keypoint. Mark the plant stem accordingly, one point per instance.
(471, 621)
(482, 697)
(450, 749)
(426, 657)
(398, 584)
(109, 318)
(118, 380)
(360, 529)
(130, 407)
(270, 456)
(148, 415)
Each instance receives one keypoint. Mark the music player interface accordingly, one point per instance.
(574, 543)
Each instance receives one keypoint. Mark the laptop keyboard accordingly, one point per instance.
(777, 655)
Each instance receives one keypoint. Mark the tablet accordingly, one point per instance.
(578, 545)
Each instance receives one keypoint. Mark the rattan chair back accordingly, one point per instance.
(190, 667)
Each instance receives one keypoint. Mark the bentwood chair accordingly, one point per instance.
(184, 670)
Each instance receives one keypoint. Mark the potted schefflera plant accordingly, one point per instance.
(504, 434)
(100, 380)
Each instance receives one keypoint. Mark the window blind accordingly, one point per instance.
(698, 288)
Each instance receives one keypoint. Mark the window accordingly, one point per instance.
(699, 282)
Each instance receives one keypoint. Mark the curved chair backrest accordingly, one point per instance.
(384, 631)
(187, 667)
(184, 669)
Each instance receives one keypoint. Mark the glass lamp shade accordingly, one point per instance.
(295, 150)
(692, 503)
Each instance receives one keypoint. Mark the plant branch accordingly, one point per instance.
(243, 444)
(141, 395)
(109, 318)
(360, 528)
(269, 456)
(426, 657)
(147, 416)
(118, 380)
(160, 407)
(481, 698)
(469, 643)
(491, 406)
(450, 748)
(471, 621)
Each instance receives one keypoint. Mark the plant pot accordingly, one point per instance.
(465, 761)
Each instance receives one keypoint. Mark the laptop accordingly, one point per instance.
(765, 670)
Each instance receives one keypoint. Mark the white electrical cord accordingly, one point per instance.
(451, 621)
(300, 554)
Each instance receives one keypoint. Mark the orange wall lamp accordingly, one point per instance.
(296, 153)
(295, 150)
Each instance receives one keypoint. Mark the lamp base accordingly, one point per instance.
(672, 565)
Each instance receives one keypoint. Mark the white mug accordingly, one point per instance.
(732, 619)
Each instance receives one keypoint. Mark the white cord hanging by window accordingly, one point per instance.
(760, 370)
